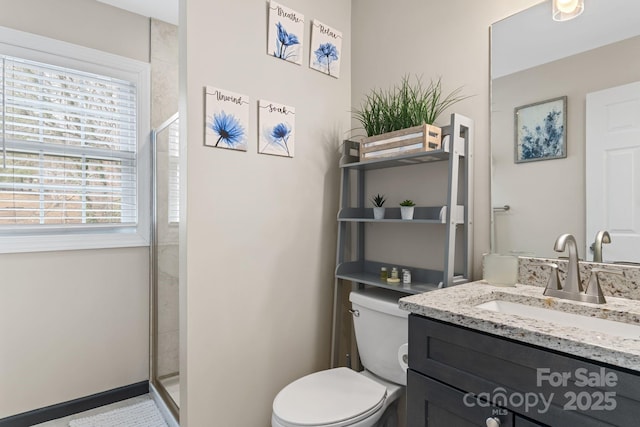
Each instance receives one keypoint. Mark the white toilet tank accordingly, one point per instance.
(381, 328)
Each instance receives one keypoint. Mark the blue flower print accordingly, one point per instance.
(280, 134)
(284, 41)
(228, 128)
(326, 54)
(544, 140)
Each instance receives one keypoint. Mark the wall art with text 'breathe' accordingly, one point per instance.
(285, 34)
(326, 46)
(226, 119)
(277, 129)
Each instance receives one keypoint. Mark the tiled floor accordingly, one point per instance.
(64, 422)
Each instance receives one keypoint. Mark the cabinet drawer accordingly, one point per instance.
(522, 377)
(433, 404)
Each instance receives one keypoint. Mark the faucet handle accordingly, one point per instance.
(553, 283)
(593, 287)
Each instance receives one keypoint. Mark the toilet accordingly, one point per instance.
(342, 397)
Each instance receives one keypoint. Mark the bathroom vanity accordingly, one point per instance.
(473, 363)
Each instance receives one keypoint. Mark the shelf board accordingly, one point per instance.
(389, 220)
(401, 160)
(374, 280)
(368, 273)
(421, 215)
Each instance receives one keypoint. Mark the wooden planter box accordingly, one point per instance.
(405, 141)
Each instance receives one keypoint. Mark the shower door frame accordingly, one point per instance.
(153, 276)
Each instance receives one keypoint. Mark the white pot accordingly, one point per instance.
(378, 213)
(406, 212)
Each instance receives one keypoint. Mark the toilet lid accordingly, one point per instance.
(328, 397)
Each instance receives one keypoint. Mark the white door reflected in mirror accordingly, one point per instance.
(612, 162)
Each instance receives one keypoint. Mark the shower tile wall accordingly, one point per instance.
(164, 93)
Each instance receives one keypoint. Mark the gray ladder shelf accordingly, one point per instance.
(455, 216)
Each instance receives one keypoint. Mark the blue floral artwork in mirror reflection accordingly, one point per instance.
(541, 131)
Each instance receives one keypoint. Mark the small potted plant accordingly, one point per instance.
(378, 209)
(406, 209)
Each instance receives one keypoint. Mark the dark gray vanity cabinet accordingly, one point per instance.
(461, 377)
(432, 403)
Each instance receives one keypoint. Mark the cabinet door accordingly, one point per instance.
(431, 403)
(524, 422)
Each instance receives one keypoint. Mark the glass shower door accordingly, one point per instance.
(165, 362)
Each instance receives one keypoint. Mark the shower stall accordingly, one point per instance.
(164, 363)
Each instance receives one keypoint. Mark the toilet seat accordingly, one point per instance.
(332, 398)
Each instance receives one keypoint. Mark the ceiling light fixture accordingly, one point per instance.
(563, 10)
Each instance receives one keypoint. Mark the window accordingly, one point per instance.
(74, 129)
(174, 172)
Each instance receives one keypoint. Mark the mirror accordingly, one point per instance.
(535, 59)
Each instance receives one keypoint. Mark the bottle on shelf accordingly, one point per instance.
(406, 276)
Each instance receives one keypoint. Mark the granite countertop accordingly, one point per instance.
(456, 305)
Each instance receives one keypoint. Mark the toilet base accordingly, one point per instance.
(390, 416)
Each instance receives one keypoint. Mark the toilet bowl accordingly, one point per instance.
(334, 398)
(342, 397)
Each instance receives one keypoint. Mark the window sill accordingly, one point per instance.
(70, 242)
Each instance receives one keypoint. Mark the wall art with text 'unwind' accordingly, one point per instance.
(226, 119)
(285, 34)
(277, 129)
(326, 45)
(541, 130)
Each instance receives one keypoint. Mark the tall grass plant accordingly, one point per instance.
(405, 105)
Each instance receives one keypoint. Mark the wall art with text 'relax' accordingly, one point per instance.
(326, 46)
(226, 119)
(285, 34)
(277, 129)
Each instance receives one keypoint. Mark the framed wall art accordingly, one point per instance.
(541, 130)
(285, 34)
(226, 119)
(326, 49)
(277, 129)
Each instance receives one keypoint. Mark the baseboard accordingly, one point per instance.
(71, 407)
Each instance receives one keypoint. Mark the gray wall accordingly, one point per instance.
(258, 245)
(73, 323)
(431, 38)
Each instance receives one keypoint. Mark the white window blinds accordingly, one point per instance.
(174, 172)
(69, 141)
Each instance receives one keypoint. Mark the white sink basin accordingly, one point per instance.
(609, 327)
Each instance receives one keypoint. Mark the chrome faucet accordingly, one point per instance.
(601, 237)
(572, 288)
(572, 284)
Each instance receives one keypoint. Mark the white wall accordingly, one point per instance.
(73, 323)
(259, 244)
(432, 38)
(84, 22)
